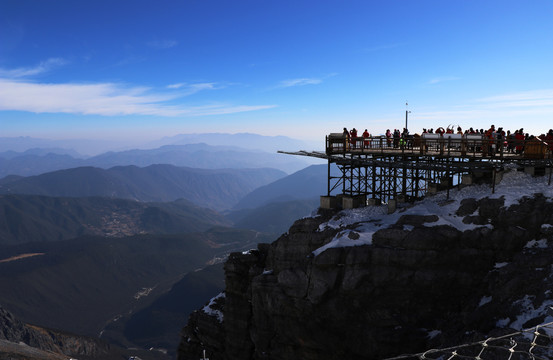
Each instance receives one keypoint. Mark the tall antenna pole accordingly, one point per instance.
(406, 114)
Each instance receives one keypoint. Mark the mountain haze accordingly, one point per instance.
(275, 217)
(308, 183)
(217, 189)
(28, 156)
(201, 156)
(243, 140)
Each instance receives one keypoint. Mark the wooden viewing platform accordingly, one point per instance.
(377, 170)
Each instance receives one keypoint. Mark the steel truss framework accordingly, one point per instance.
(385, 176)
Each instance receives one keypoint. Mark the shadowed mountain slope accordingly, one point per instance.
(308, 183)
(80, 285)
(31, 218)
(158, 325)
(275, 217)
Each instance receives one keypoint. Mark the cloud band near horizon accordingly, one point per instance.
(105, 99)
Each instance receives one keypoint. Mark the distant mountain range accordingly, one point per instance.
(242, 140)
(28, 156)
(216, 189)
(91, 147)
(39, 161)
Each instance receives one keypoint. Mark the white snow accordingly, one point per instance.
(540, 244)
(367, 220)
(213, 312)
(529, 312)
(485, 300)
(342, 240)
(432, 334)
(500, 265)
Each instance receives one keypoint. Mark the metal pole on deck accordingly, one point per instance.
(406, 115)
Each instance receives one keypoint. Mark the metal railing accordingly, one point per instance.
(472, 146)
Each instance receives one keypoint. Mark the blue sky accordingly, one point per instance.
(139, 70)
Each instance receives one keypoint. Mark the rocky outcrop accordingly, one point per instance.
(19, 340)
(420, 283)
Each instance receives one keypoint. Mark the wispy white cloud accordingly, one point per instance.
(189, 89)
(443, 78)
(162, 44)
(42, 67)
(299, 82)
(532, 110)
(176, 86)
(102, 99)
(535, 98)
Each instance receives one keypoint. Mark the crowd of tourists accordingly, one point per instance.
(512, 142)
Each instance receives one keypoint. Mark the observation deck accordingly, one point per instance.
(375, 170)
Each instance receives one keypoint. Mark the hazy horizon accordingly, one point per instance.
(92, 147)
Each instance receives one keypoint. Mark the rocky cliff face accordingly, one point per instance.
(472, 268)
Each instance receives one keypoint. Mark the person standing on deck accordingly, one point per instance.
(490, 134)
(366, 137)
(519, 141)
(500, 139)
(510, 138)
(404, 136)
(397, 135)
(389, 137)
(346, 138)
(353, 137)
